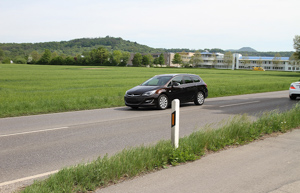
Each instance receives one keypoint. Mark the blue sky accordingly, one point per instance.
(265, 25)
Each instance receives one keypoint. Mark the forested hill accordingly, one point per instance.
(76, 46)
(80, 46)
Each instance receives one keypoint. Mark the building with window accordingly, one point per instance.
(268, 63)
(238, 61)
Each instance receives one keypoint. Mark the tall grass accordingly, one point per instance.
(135, 161)
(34, 89)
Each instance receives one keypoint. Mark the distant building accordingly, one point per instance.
(268, 63)
(216, 60)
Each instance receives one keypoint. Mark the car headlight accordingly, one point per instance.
(149, 93)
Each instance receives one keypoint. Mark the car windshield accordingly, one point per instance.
(157, 81)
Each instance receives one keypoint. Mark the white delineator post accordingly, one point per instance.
(175, 123)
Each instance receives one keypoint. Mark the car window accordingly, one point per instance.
(187, 80)
(152, 82)
(196, 79)
(157, 81)
(178, 79)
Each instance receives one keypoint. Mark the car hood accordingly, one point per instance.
(138, 90)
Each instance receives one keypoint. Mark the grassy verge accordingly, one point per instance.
(135, 161)
(36, 89)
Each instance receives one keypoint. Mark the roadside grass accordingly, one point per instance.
(136, 161)
(37, 89)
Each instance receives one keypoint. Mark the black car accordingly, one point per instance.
(160, 90)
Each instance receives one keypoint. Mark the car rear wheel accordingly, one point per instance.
(199, 99)
(162, 102)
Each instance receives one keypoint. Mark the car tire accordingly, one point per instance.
(293, 97)
(199, 99)
(162, 102)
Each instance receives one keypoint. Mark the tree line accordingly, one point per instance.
(117, 51)
(100, 56)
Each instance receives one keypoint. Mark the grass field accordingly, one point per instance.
(36, 89)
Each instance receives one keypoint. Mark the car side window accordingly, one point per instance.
(188, 80)
(196, 79)
(178, 79)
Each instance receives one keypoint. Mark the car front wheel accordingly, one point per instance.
(162, 102)
(199, 99)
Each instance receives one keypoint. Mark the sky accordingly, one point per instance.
(265, 25)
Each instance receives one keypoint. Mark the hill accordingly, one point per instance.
(12, 51)
(76, 46)
(246, 49)
(243, 49)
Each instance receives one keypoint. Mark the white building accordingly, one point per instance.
(216, 60)
(268, 63)
(238, 61)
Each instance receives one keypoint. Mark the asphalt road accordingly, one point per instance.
(33, 145)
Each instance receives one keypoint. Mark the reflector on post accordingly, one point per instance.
(173, 119)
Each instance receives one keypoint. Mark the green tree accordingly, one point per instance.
(20, 60)
(293, 61)
(177, 59)
(246, 60)
(116, 57)
(125, 58)
(156, 61)
(161, 59)
(54, 54)
(137, 59)
(297, 47)
(58, 60)
(46, 57)
(35, 57)
(150, 58)
(1, 54)
(228, 59)
(145, 60)
(276, 60)
(69, 60)
(197, 59)
(99, 56)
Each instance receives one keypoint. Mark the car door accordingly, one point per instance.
(176, 91)
(189, 88)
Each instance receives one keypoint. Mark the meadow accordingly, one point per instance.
(38, 89)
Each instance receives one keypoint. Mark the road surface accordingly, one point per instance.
(39, 144)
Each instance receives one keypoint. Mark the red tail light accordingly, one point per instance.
(292, 87)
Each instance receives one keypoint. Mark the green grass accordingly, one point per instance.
(36, 89)
(138, 160)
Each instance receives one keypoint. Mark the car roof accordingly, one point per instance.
(175, 74)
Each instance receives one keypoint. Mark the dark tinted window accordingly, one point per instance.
(196, 79)
(188, 80)
(178, 79)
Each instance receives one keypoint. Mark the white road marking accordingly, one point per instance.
(29, 132)
(239, 104)
(28, 178)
